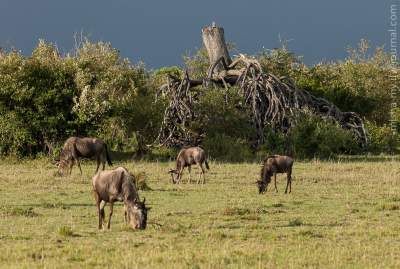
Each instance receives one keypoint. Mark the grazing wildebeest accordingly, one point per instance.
(186, 158)
(273, 165)
(75, 148)
(119, 185)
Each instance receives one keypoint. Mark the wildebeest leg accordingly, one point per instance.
(103, 160)
(190, 170)
(199, 177)
(71, 164)
(98, 164)
(287, 182)
(102, 214)
(276, 189)
(109, 216)
(289, 179)
(76, 158)
(180, 176)
(202, 174)
(98, 201)
(125, 215)
(79, 165)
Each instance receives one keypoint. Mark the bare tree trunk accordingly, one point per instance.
(214, 41)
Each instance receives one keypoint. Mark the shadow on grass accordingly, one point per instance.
(171, 155)
(17, 211)
(59, 205)
(366, 158)
(295, 223)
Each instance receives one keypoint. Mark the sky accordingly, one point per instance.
(160, 32)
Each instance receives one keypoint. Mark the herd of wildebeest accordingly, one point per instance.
(110, 186)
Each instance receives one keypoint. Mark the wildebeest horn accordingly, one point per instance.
(144, 200)
(171, 171)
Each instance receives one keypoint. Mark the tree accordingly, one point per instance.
(272, 101)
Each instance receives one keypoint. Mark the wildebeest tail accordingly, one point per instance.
(208, 167)
(108, 156)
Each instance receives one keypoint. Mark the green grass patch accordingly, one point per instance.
(66, 231)
(347, 219)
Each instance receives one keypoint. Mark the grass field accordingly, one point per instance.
(339, 215)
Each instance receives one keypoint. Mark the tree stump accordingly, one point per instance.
(214, 42)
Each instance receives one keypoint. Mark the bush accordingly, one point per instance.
(274, 143)
(361, 83)
(37, 91)
(223, 147)
(221, 112)
(382, 139)
(316, 137)
(15, 137)
(47, 97)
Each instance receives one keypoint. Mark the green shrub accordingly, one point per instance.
(316, 137)
(274, 143)
(382, 139)
(159, 76)
(15, 137)
(37, 91)
(361, 83)
(221, 113)
(223, 147)
(163, 153)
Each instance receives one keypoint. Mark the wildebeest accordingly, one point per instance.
(76, 147)
(119, 185)
(186, 158)
(273, 165)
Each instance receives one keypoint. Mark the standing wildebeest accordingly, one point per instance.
(273, 165)
(186, 158)
(118, 185)
(86, 147)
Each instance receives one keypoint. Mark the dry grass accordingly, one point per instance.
(339, 215)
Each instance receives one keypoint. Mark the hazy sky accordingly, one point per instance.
(160, 32)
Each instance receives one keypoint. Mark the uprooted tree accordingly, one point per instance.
(272, 101)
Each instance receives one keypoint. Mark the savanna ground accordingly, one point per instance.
(339, 215)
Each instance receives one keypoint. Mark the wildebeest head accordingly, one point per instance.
(174, 175)
(266, 174)
(63, 166)
(263, 183)
(137, 214)
(262, 186)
